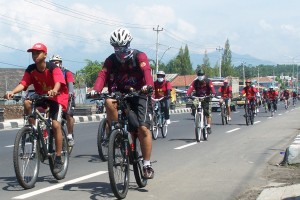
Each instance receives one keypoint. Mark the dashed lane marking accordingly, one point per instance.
(233, 130)
(187, 145)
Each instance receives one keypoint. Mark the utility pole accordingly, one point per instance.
(219, 49)
(243, 63)
(157, 31)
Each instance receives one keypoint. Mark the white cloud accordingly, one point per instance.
(265, 25)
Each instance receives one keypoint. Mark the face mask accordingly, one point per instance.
(160, 79)
(123, 53)
(200, 78)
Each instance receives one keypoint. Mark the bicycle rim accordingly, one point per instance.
(64, 157)
(138, 164)
(197, 127)
(26, 159)
(118, 165)
(103, 139)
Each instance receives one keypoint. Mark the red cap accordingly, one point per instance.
(225, 81)
(38, 47)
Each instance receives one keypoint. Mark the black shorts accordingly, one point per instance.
(142, 107)
(55, 109)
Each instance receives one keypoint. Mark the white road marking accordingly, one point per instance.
(47, 189)
(10, 146)
(187, 145)
(233, 130)
(280, 114)
(257, 122)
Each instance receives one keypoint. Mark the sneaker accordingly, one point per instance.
(208, 130)
(148, 172)
(58, 166)
(168, 121)
(229, 118)
(71, 141)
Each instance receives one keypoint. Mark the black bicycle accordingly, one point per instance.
(35, 144)
(124, 150)
(224, 111)
(249, 111)
(158, 120)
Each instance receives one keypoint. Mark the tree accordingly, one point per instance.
(90, 72)
(226, 68)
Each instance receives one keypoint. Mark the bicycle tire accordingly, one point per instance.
(154, 127)
(247, 116)
(204, 135)
(226, 116)
(23, 156)
(118, 165)
(138, 164)
(64, 157)
(198, 129)
(164, 127)
(223, 115)
(102, 140)
(251, 116)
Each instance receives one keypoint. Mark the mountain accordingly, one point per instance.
(237, 59)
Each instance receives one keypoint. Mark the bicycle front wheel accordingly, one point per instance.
(154, 127)
(118, 165)
(103, 139)
(223, 115)
(64, 157)
(138, 164)
(164, 127)
(251, 116)
(26, 157)
(198, 128)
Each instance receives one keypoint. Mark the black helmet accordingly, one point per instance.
(200, 72)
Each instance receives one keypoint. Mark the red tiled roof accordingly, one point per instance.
(184, 80)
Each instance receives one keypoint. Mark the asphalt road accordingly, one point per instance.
(230, 162)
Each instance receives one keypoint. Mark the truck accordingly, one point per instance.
(217, 83)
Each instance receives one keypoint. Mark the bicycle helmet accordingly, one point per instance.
(120, 37)
(248, 81)
(161, 73)
(56, 58)
(160, 76)
(200, 72)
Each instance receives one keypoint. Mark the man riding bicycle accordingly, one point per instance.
(286, 96)
(250, 93)
(226, 95)
(162, 88)
(203, 87)
(126, 70)
(57, 60)
(272, 96)
(46, 78)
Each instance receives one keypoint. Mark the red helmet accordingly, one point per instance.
(248, 81)
(225, 81)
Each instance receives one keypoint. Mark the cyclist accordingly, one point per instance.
(286, 96)
(203, 87)
(250, 93)
(163, 89)
(265, 99)
(272, 96)
(226, 95)
(124, 70)
(46, 78)
(57, 60)
(294, 95)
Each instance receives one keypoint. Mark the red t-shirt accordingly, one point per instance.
(45, 81)
(272, 95)
(226, 92)
(120, 76)
(69, 77)
(202, 88)
(250, 92)
(161, 89)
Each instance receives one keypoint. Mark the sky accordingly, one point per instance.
(79, 30)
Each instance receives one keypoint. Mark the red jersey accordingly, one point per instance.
(134, 73)
(68, 76)
(286, 93)
(45, 81)
(202, 88)
(226, 92)
(250, 92)
(272, 95)
(161, 89)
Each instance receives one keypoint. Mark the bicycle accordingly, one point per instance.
(294, 101)
(34, 144)
(158, 120)
(249, 111)
(272, 107)
(265, 104)
(286, 103)
(224, 111)
(200, 120)
(124, 150)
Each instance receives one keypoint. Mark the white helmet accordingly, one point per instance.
(160, 73)
(120, 37)
(56, 58)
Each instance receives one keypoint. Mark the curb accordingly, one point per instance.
(19, 123)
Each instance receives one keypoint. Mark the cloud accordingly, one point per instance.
(265, 25)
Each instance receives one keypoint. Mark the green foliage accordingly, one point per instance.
(89, 73)
(226, 66)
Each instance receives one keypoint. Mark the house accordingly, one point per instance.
(182, 82)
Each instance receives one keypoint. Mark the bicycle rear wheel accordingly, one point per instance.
(223, 115)
(103, 139)
(198, 128)
(251, 116)
(118, 165)
(26, 158)
(64, 157)
(138, 164)
(154, 127)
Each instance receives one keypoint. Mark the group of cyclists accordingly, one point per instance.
(125, 70)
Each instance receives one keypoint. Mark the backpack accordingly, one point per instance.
(197, 85)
